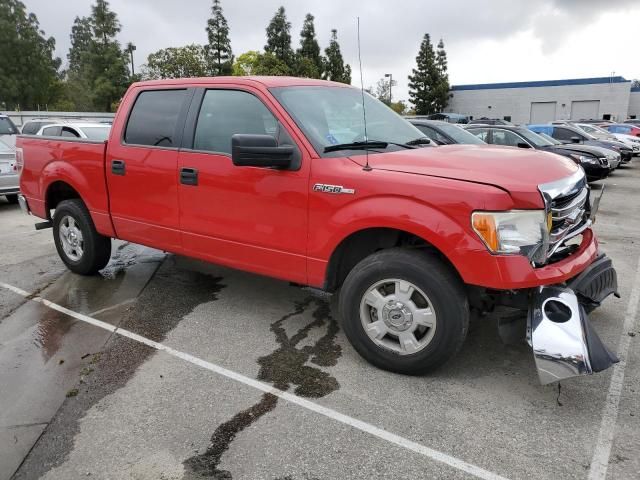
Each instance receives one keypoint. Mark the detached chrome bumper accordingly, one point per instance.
(558, 329)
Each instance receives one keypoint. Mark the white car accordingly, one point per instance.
(629, 141)
(9, 179)
(595, 131)
(98, 132)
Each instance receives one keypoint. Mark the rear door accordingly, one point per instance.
(142, 167)
(246, 217)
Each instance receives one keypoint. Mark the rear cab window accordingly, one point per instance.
(154, 118)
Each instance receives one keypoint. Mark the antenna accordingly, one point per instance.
(366, 168)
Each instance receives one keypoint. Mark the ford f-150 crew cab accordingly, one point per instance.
(284, 177)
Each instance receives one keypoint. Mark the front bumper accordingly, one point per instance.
(558, 329)
(24, 205)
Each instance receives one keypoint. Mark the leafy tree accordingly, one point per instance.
(306, 68)
(426, 82)
(399, 107)
(279, 38)
(334, 68)
(309, 60)
(180, 62)
(268, 64)
(245, 63)
(258, 63)
(28, 70)
(219, 55)
(383, 92)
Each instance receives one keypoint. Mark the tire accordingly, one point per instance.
(91, 251)
(12, 199)
(431, 278)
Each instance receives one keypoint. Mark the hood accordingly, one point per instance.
(519, 171)
(579, 148)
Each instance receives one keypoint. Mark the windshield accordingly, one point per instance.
(7, 127)
(537, 140)
(333, 116)
(99, 134)
(460, 135)
(549, 138)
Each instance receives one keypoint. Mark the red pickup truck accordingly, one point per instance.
(284, 177)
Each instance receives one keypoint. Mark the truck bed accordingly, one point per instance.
(79, 163)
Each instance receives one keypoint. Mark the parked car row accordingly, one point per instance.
(598, 151)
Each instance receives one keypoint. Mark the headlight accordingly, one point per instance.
(584, 158)
(517, 232)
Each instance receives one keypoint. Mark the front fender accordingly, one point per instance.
(449, 231)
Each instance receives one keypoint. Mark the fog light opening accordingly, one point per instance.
(557, 311)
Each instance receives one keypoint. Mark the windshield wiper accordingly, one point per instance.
(420, 141)
(356, 146)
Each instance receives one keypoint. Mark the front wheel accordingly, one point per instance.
(82, 249)
(404, 310)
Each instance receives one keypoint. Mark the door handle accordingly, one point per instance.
(117, 167)
(189, 176)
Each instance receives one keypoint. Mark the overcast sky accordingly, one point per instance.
(486, 40)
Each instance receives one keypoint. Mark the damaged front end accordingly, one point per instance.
(558, 329)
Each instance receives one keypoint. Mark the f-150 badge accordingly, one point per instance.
(321, 187)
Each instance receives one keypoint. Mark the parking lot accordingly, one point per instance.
(165, 367)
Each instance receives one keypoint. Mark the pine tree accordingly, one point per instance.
(81, 36)
(28, 69)
(219, 55)
(98, 72)
(442, 94)
(425, 84)
(309, 60)
(334, 68)
(279, 39)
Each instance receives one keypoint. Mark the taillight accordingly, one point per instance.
(19, 160)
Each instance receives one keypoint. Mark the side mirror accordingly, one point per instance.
(576, 139)
(248, 150)
(523, 145)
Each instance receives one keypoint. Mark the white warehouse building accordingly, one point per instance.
(606, 98)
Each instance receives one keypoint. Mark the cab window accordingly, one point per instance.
(507, 138)
(153, 120)
(225, 113)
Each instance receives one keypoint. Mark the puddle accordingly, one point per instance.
(149, 316)
(286, 367)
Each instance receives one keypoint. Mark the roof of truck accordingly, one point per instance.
(266, 81)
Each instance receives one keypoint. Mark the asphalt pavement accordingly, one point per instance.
(164, 367)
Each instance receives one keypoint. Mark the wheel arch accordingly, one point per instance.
(361, 243)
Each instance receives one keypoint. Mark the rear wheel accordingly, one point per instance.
(82, 249)
(13, 199)
(404, 311)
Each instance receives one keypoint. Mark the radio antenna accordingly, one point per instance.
(366, 168)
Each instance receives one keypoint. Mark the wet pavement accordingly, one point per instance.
(79, 402)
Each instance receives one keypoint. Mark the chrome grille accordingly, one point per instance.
(568, 202)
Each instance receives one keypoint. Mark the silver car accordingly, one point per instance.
(9, 178)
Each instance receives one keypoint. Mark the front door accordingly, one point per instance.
(245, 217)
(142, 168)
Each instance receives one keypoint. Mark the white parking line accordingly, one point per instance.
(312, 406)
(602, 452)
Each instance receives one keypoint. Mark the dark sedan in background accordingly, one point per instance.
(594, 160)
(444, 133)
(568, 134)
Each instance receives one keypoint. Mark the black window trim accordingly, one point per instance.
(179, 122)
(191, 122)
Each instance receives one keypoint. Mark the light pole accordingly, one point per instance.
(390, 76)
(131, 48)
